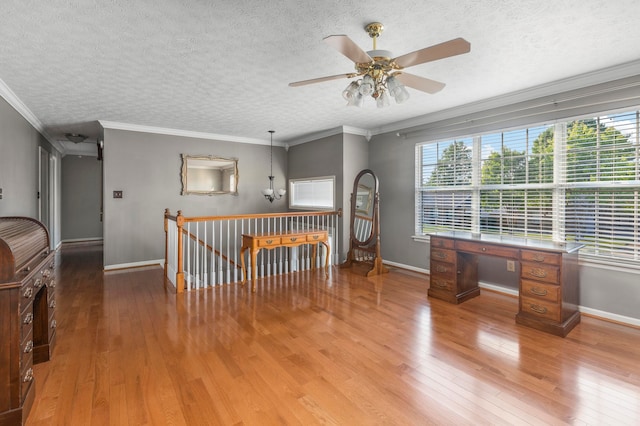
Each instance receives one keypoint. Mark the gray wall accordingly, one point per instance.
(81, 198)
(147, 168)
(19, 142)
(393, 161)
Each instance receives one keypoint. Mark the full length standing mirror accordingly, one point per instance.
(364, 235)
(209, 175)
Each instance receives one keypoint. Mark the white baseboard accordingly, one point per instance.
(635, 322)
(81, 240)
(159, 262)
(408, 267)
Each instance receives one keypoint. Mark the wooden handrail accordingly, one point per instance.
(261, 215)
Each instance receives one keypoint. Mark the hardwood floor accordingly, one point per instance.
(305, 350)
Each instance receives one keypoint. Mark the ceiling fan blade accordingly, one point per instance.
(454, 47)
(420, 83)
(348, 48)
(321, 79)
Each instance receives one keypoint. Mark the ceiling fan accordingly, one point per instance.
(382, 75)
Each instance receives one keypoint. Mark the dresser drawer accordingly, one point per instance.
(538, 290)
(540, 257)
(441, 243)
(443, 255)
(268, 241)
(312, 238)
(546, 273)
(488, 249)
(539, 308)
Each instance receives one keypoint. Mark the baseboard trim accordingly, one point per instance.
(158, 262)
(408, 267)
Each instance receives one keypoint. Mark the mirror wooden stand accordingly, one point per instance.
(364, 237)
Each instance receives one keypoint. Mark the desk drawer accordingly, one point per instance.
(539, 308)
(442, 268)
(268, 241)
(441, 243)
(548, 292)
(540, 257)
(488, 249)
(320, 236)
(546, 273)
(442, 282)
(443, 255)
(294, 239)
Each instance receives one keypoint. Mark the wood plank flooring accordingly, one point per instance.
(304, 350)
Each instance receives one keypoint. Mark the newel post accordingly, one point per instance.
(179, 270)
(166, 242)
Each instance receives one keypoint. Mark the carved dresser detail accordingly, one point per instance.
(27, 308)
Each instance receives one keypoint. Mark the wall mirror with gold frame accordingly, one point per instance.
(209, 175)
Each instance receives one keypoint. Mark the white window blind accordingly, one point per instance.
(572, 181)
(312, 193)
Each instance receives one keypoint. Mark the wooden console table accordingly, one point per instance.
(549, 279)
(255, 242)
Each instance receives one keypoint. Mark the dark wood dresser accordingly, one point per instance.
(27, 308)
(549, 278)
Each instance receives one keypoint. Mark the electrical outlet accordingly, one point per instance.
(511, 265)
(0, 193)
(117, 194)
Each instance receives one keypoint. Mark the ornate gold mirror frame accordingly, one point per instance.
(209, 175)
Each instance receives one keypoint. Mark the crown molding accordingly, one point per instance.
(186, 133)
(605, 75)
(26, 113)
(331, 132)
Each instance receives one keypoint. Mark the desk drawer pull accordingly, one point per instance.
(538, 272)
(538, 258)
(315, 237)
(293, 239)
(269, 241)
(538, 309)
(484, 249)
(28, 347)
(539, 292)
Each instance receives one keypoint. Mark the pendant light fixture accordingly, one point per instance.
(269, 193)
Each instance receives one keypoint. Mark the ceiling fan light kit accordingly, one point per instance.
(381, 77)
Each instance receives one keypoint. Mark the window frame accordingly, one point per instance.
(312, 180)
(560, 186)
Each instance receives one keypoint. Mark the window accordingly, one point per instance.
(572, 181)
(312, 193)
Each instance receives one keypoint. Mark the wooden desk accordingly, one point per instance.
(549, 279)
(255, 242)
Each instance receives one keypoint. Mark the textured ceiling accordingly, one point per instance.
(223, 67)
